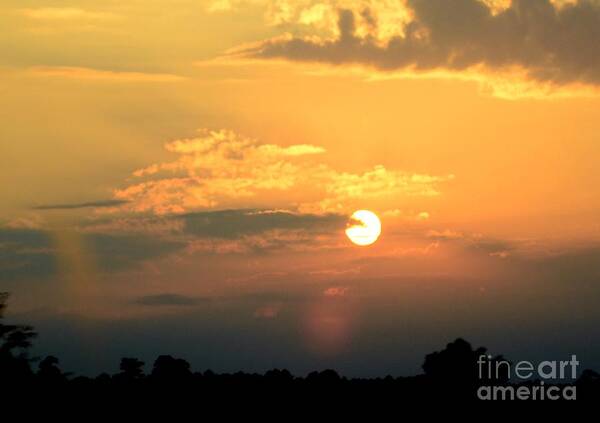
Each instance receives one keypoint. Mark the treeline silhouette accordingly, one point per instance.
(449, 374)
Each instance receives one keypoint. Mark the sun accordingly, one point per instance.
(363, 228)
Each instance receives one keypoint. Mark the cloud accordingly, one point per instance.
(271, 241)
(132, 225)
(168, 299)
(230, 224)
(416, 251)
(572, 264)
(221, 169)
(377, 183)
(336, 291)
(444, 235)
(481, 244)
(492, 247)
(30, 221)
(91, 204)
(90, 74)
(234, 231)
(25, 253)
(116, 252)
(333, 272)
(545, 42)
(407, 216)
(121, 243)
(476, 242)
(258, 231)
(321, 15)
(34, 253)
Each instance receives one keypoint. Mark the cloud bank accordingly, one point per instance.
(545, 42)
(221, 169)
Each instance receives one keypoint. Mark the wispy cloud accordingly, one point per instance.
(475, 242)
(91, 74)
(336, 291)
(169, 299)
(87, 205)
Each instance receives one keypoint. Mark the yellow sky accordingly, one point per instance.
(91, 93)
(183, 107)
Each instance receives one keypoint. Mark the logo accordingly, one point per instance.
(544, 381)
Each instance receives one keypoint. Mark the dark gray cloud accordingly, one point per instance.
(25, 253)
(167, 299)
(577, 266)
(91, 204)
(473, 242)
(32, 253)
(230, 224)
(250, 298)
(116, 252)
(490, 246)
(558, 45)
(13, 237)
(573, 264)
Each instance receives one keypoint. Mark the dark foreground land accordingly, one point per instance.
(451, 374)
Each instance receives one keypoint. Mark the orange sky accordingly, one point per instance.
(192, 151)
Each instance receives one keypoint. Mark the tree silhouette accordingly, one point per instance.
(589, 385)
(131, 369)
(279, 376)
(49, 372)
(457, 366)
(453, 373)
(15, 340)
(326, 377)
(167, 368)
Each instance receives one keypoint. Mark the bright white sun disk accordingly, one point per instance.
(364, 227)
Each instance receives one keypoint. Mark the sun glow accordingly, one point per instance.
(363, 228)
